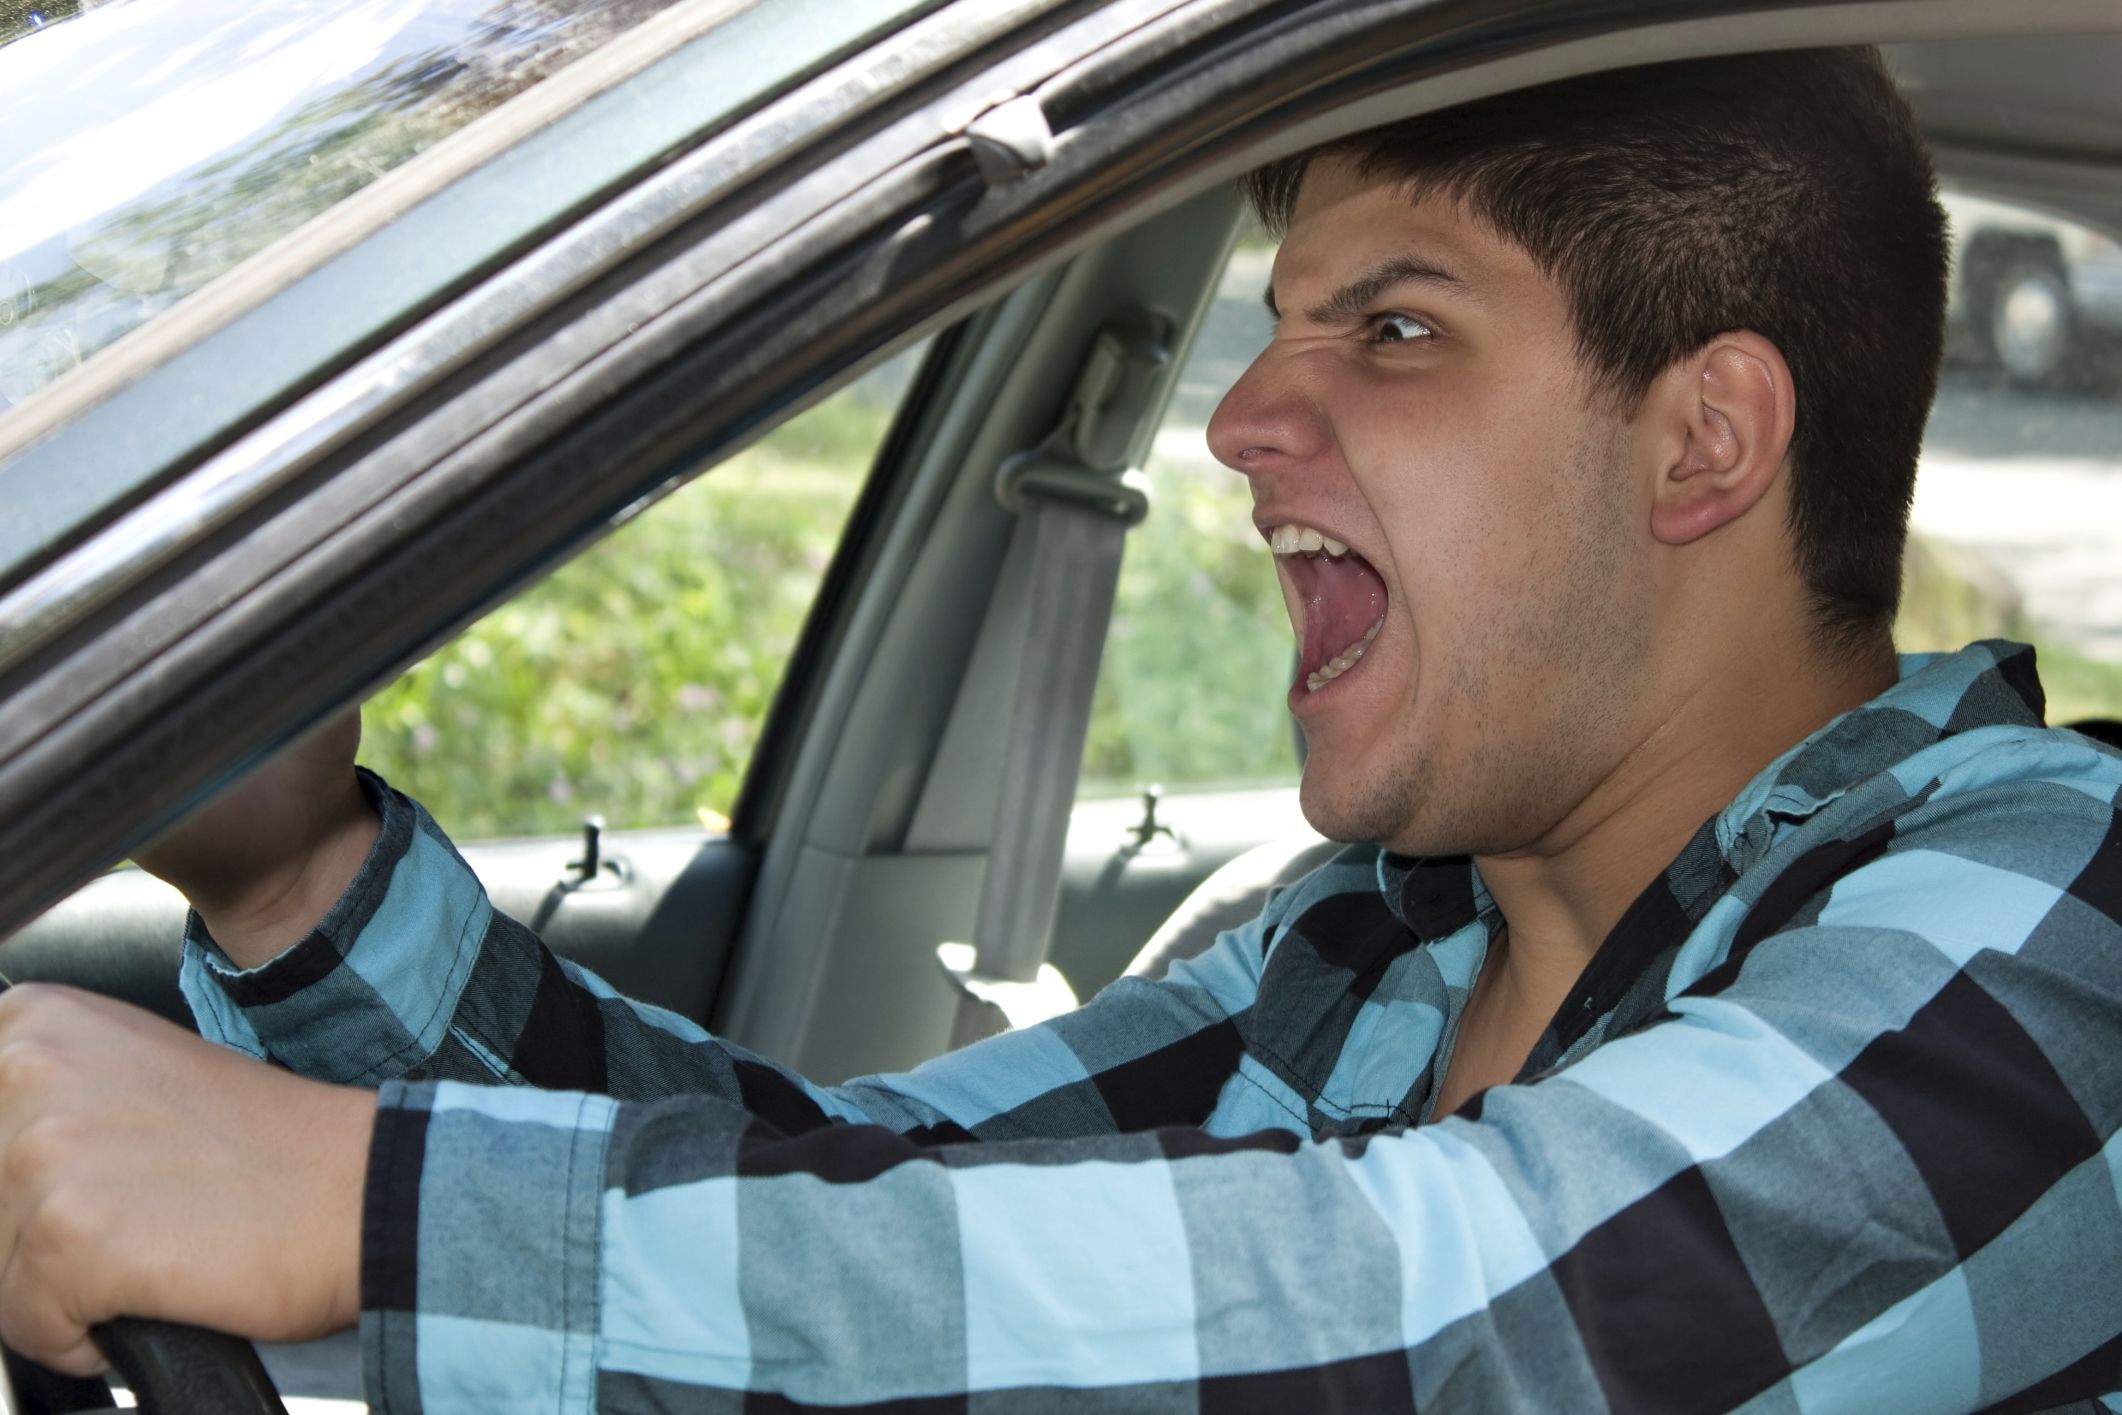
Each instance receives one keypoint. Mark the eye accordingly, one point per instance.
(1399, 328)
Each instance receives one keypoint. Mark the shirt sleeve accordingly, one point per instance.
(414, 976)
(1866, 1161)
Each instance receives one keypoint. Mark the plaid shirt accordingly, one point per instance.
(1828, 1124)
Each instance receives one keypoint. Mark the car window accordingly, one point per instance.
(2017, 524)
(1189, 690)
(633, 682)
(160, 150)
(153, 147)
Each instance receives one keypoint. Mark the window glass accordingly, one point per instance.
(2017, 525)
(155, 144)
(633, 682)
(1190, 691)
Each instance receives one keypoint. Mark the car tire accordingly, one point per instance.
(2028, 326)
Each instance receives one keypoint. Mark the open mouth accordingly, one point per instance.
(1343, 602)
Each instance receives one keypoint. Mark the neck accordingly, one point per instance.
(1563, 893)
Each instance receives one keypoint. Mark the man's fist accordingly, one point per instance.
(264, 862)
(147, 1173)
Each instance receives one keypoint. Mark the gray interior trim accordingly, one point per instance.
(1615, 42)
(656, 924)
(874, 780)
(1232, 896)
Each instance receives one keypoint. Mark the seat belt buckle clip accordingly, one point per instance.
(1022, 1004)
(1039, 475)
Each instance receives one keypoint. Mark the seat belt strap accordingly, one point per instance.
(1075, 553)
(1076, 502)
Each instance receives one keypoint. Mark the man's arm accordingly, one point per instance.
(248, 1218)
(412, 975)
(1867, 1162)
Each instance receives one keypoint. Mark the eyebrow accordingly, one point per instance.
(1353, 300)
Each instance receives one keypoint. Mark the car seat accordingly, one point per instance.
(1229, 897)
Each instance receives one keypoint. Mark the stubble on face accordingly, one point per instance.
(1544, 694)
(1503, 513)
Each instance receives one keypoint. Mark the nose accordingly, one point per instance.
(1266, 420)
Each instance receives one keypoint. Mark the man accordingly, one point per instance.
(1729, 1019)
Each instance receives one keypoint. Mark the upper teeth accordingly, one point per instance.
(1293, 539)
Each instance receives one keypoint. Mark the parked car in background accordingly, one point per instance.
(2032, 294)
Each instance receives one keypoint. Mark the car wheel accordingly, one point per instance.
(2031, 326)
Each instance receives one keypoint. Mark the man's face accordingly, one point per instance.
(1469, 665)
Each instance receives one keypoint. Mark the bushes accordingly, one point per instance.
(634, 681)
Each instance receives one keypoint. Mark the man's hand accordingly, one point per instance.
(265, 862)
(147, 1173)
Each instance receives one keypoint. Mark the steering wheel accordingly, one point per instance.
(171, 1370)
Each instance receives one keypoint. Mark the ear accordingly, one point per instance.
(1722, 419)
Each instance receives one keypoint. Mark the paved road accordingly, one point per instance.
(2033, 484)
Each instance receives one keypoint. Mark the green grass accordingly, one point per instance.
(2079, 687)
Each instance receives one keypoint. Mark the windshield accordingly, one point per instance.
(155, 144)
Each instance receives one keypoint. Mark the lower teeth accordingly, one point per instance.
(1344, 660)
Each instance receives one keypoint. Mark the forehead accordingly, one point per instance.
(1347, 221)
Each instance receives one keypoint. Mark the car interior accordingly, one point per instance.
(805, 922)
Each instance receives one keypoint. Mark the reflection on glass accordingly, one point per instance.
(20, 19)
(156, 144)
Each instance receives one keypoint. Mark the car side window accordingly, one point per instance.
(1189, 689)
(2016, 531)
(633, 682)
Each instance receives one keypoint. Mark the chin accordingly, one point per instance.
(1408, 805)
(1344, 806)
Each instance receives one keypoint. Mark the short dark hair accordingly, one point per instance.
(1787, 193)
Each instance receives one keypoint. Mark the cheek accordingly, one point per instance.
(1449, 488)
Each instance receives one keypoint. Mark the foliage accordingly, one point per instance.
(1198, 658)
(21, 18)
(1950, 598)
(634, 681)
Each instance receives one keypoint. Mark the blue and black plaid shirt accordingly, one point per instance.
(1829, 1124)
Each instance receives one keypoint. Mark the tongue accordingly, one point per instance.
(1343, 597)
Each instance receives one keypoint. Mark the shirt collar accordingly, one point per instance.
(1938, 695)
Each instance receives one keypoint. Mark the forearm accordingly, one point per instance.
(257, 919)
(411, 974)
(705, 1254)
(266, 859)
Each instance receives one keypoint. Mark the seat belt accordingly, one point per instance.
(1075, 498)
